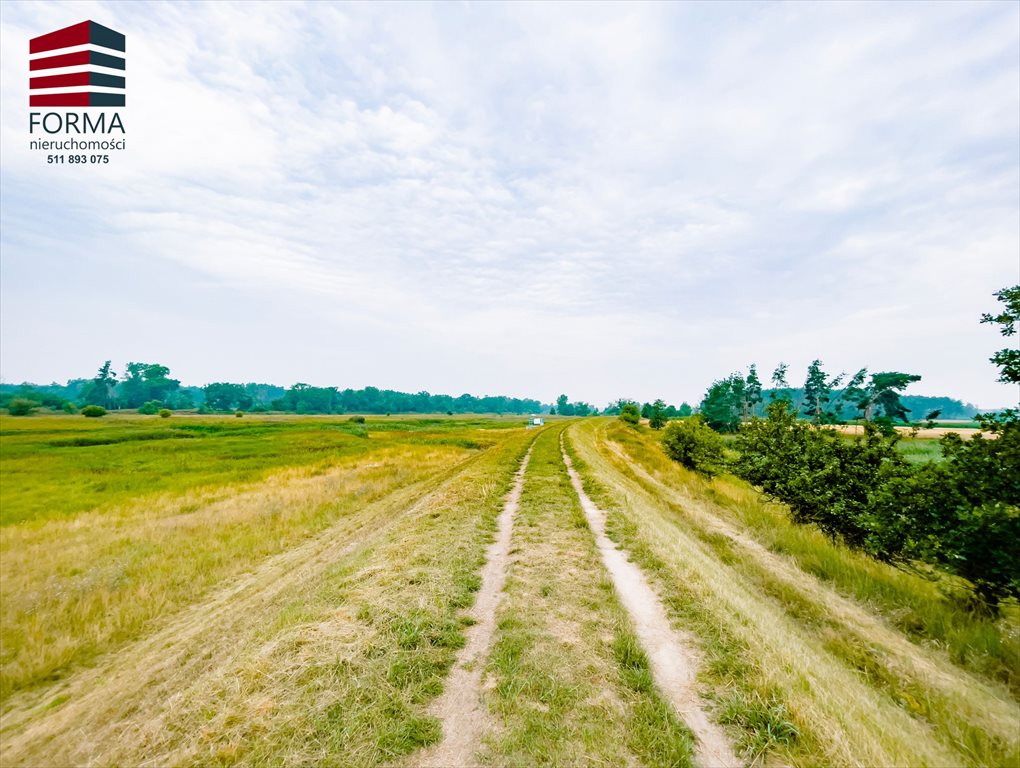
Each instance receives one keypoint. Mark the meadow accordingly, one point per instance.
(211, 590)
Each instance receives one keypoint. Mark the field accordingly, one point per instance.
(278, 590)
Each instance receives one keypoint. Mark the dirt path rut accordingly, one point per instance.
(673, 658)
(460, 707)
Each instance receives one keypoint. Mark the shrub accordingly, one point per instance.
(150, 408)
(694, 444)
(239, 414)
(165, 413)
(93, 411)
(630, 414)
(69, 407)
(21, 406)
(357, 419)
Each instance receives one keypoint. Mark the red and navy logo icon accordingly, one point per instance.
(78, 66)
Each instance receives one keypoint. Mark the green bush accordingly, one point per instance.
(961, 515)
(93, 411)
(21, 406)
(695, 445)
(69, 407)
(239, 414)
(357, 419)
(150, 408)
(165, 413)
(630, 414)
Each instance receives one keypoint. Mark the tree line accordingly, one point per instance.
(148, 388)
(960, 515)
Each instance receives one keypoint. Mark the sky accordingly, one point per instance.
(606, 200)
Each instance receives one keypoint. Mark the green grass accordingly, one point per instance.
(336, 667)
(111, 525)
(572, 686)
(60, 466)
(921, 607)
(766, 702)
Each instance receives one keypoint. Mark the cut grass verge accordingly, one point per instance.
(771, 674)
(328, 657)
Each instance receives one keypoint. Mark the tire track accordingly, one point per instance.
(460, 706)
(99, 704)
(672, 657)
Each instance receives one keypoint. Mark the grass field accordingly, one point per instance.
(294, 590)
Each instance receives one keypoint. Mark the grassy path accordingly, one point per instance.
(794, 688)
(673, 657)
(568, 682)
(459, 708)
(327, 654)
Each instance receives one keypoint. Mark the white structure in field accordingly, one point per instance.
(537, 421)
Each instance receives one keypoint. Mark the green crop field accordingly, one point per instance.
(282, 590)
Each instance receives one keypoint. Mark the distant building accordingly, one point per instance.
(538, 421)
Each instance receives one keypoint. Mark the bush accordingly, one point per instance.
(20, 406)
(150, 408)
(357, 419)
(165, 413)
(69, 407)
(630, 414)
(239, 414)
(93, 411)
(694, 444)
(962, 515)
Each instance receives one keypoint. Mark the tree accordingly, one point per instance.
(1008, 359)
(723, 404)
(657, 418)
(146, 381)
(780, 386)
(883, 391)
(752, 392)
(101, 390)
(563, 406)
(818, 389)
(223, 396)
(685, 410)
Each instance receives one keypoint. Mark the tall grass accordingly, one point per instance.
(783, 659)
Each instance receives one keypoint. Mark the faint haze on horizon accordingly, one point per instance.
(600, 200)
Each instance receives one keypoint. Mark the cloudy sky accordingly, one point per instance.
(603, 200)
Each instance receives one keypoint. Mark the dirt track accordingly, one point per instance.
(460, 706)
(673, 658)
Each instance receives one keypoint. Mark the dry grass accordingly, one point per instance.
(326, 653)
(570, 685)
(764, 653)
(967, 711)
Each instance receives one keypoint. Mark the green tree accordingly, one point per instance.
(223, 396)
(752, 392)
(101, 390)
(1008, 359)
(657, 418)
(685, 410)
(882, 391)
(818, 391)
(723, 405)
(563, 406)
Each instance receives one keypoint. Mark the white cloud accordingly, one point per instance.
(604, 199)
